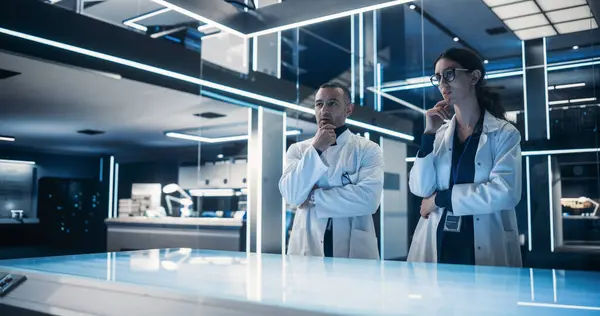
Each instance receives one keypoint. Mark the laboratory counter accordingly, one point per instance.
(138, 233)
(205, 282)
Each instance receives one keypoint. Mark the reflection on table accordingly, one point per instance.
(340, 286)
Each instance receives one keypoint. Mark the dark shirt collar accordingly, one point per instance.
(340, 130)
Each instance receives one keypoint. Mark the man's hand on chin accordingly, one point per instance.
(307, 202)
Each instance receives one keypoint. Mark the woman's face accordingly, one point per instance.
(455, 82)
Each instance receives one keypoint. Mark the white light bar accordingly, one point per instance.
(401, 85)
(132, 22)
(397, 100)
(423, 82)
(212, 192)
(571, 101)
(582, 100)
(199, 18)
(7, 139)
(220, 139)
(567, 86)
(559, 306)
(551, 202)
(194, 80)
(528, 188)
(283, 27)
(21, 162)
(543, 152)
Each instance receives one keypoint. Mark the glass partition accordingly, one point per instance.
(573, 85)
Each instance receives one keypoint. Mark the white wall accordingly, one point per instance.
(394, 209)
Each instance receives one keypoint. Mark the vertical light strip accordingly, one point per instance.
(368, 135)
(352, 61)
(101, 169)
(546, 91)
(378, 87)
(111, 183)
(554, 285)
(551, 200)
(255, 53)
(278, 55)
(259, 183)
(283, 207)
(381, 215)
(249, 187)
(278, 50)
(531, 284)
(116, 195)
(527, 175)
(361, 56)
(375, 62)
(525, 90)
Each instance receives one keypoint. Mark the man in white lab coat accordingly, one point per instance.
(336, 180)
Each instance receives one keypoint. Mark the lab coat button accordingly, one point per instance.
(477, 218)
(478, 248)
(479, 163)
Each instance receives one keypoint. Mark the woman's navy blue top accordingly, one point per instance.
(455, 247)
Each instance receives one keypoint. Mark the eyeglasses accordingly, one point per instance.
(449, 75)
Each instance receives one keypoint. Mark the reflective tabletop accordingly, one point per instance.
(340, 286)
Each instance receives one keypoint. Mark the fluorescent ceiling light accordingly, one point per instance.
(582, 100)
(495, 3)
(576, 26)
(572, 101)
(515, 10)
(198, 17)
(570, 14)
(212, 192)
(283, 27)
(536, 32)
(198, 81)
(132, 22)
(558, 102)
(526, 21)
(21, 162)
(567, 86)
(551, 5)
(7, 139)
(219, 139)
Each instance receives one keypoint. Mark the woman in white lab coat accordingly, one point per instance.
(468, 172)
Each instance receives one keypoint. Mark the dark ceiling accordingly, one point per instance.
(415, 38)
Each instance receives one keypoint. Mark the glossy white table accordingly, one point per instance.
(185, 282)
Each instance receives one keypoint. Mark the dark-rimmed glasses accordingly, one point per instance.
(449, 75)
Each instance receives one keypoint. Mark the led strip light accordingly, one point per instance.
(283, 27)
(219, 139)
(544, 152)
(194, 80)
(132, 22)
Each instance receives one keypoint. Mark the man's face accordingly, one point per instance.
(332, 107)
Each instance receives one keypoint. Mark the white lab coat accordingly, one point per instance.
(491, 199)
(351, 206)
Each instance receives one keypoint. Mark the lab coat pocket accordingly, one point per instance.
(363, 245)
